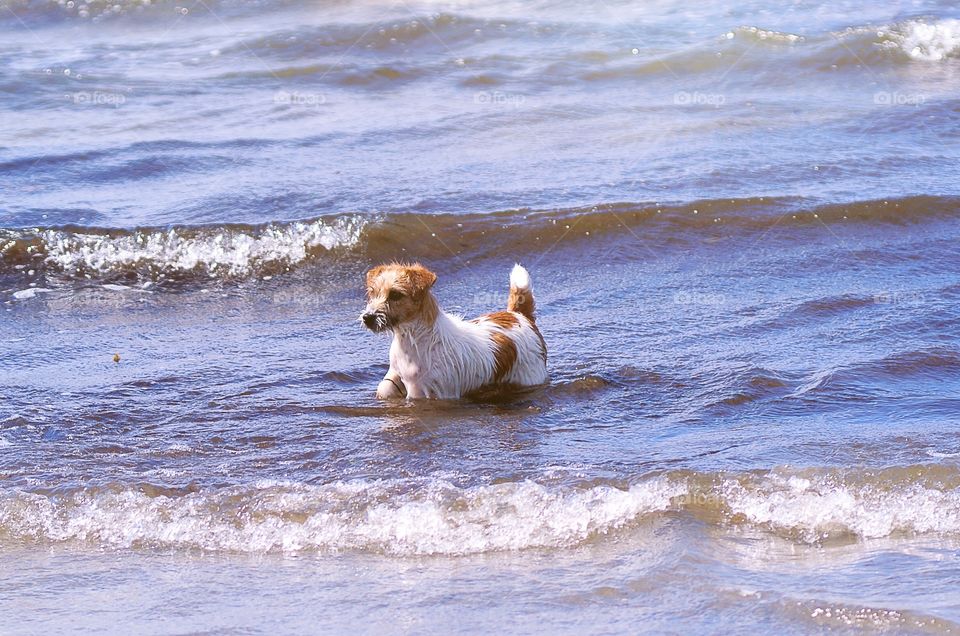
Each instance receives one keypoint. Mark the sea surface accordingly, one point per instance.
(742, 222)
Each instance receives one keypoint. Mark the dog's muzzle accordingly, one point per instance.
(374, 321)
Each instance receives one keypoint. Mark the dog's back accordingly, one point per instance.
(520, 353)
(439, 355)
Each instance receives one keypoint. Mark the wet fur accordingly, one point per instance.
(439, 355)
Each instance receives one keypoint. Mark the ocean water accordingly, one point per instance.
(743, 228)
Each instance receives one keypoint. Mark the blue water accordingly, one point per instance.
(742, 227)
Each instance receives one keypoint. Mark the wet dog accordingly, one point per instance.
(438, 355)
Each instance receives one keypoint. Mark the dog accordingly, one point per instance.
(442, 356)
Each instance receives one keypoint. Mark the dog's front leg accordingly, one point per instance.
(415, 390)
(391, 387)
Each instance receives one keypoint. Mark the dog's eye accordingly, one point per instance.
(394, 295)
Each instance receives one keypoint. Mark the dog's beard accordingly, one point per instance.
(380, 324)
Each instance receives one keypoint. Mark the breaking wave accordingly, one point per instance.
(240, 251)
(921, 40)
(930, 41)
(918, 39)
(813, 506)
(432, 515)
(394, 517)
(222, 251)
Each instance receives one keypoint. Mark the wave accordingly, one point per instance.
(919, 39)
(937, 363)
(814, 506)
(434, 515)
(930, 41)
(227, 251)
(940, 360)
(397, 517)
(437, 31)
(846, 383)
(926, 39)
(756, 49)
(294, 54)
(33, 12)
(233, 251)
(834, 305)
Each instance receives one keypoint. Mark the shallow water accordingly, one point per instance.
(742, 227)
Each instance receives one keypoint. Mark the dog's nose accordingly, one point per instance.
(369, 320)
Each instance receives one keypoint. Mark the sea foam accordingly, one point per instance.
(928, 41)
(431, 515)
(223, 251)
(813, 508)
(393, 517)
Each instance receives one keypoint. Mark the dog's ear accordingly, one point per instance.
(421, 279)
(373, 273)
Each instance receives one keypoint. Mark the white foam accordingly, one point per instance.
(395, 517)
(763, 34)
(433, 516)
(941, 454)
(813, 508)
(30, 292)
(928, 41)
(228, 251)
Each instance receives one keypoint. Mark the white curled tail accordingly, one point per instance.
(521, 292)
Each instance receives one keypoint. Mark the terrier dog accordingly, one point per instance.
(439, 355)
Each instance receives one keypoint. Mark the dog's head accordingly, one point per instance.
(397, 294)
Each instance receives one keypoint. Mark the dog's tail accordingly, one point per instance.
(521, 293)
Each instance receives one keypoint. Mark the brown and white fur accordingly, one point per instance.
(438, 355)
